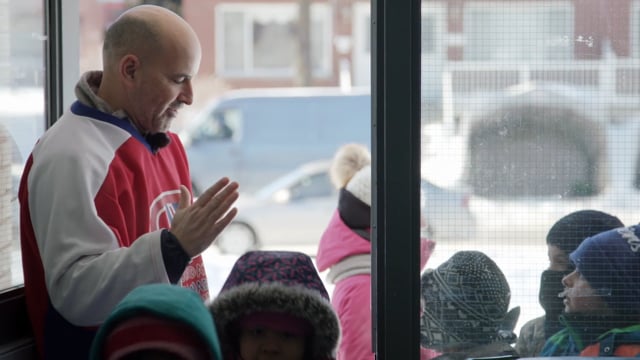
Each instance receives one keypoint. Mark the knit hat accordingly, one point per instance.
(568, 232)
(610, 261)
(162, 317)
(277, 282)
(465, 302)
(351, 173)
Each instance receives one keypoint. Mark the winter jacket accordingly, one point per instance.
(283, 282)
(598, 336)
(347, 256)
(531, 338)
(623, 342)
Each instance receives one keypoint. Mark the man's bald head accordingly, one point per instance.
(144, 31)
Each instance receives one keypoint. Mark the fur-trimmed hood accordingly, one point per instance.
(280, 282)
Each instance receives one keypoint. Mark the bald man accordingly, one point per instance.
(106, 195)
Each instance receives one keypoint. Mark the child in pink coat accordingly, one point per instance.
(345, 250)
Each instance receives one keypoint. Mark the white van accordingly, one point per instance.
(255, 135)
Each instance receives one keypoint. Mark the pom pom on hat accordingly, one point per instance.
(610, 261)
(347, 161)
(568, 232)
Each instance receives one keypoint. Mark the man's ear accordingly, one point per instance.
(129, 66)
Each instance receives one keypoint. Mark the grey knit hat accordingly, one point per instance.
(465, 303)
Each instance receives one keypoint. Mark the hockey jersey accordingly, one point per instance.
(94, 199)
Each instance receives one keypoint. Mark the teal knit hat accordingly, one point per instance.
(171, 303)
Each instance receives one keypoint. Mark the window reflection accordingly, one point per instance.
(21, 118)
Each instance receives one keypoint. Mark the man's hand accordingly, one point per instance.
(196, 226)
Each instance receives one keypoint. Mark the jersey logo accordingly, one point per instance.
(161, 213)
(162, 210)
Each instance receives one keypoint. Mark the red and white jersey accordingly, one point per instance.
(94, 199)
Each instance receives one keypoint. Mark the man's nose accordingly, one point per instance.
(186, 95)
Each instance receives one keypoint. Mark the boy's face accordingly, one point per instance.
(558, 259)
(261, 343)
(579, 296)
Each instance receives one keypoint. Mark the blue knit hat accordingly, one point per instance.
(610, 261)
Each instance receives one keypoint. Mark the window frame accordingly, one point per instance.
(396, 82)
(395, 151)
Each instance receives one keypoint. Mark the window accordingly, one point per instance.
(491, 35)
(545, 97)
(260, 40)
(634, 32)
(22, 118)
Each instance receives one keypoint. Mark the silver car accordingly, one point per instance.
(294, 210)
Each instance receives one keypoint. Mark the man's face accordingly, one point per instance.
(579, 296)
(163, 85)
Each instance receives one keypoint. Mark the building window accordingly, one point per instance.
(489, 34)
(635, 29)
(259, 40)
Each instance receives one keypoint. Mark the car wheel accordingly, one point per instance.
(237, 239)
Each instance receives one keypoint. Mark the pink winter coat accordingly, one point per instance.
(347, 256)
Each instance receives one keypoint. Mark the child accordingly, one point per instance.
(274, 304)
(345, 250)
(602, 298)
(465, 302)
(563, 238)
(158, 321)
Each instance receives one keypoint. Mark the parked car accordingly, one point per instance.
(295, 209)
(254, 136)
(534, 153)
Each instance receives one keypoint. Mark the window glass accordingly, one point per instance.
(538, 119)
(21, 118)
(252, 122)
(262, 40)
(233, 41)
(491, 36)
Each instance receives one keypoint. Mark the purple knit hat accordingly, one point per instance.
(610, 261)
(277, 282)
